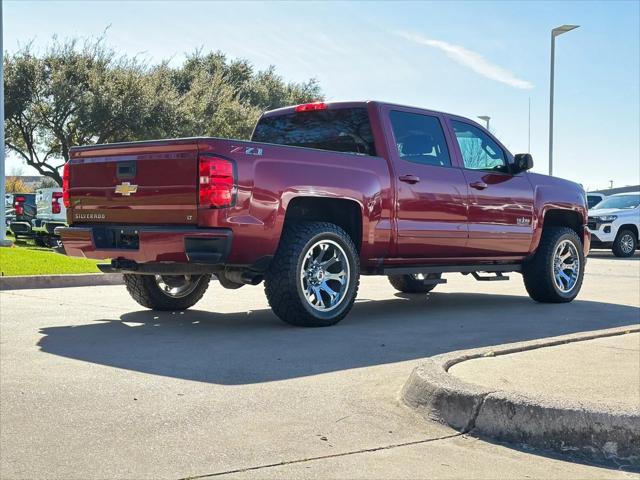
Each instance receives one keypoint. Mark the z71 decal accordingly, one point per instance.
(247, 150)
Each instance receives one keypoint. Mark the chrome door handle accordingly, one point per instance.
(478, 185)
(409, 178)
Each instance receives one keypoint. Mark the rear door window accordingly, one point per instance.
(420, 138)
(340, 130)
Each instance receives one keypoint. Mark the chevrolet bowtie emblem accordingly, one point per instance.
(126, 189)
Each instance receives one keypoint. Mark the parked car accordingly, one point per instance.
(323, 193)
(594, 198)
(24, 211)
(51, 214)
(615, 222)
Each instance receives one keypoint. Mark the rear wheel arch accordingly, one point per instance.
(343, 212)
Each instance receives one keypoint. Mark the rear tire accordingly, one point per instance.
(313, 279)
(412, 284)
(166, 292)
(40, 241)
(555, 273)
(625, 244)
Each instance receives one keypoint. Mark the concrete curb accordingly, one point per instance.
(57, 281)
(598, 434)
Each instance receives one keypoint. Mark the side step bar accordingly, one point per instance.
(489, 278)
(488, 268)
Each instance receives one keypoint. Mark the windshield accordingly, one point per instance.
(593, 200)
(621, 202)
(340, 130)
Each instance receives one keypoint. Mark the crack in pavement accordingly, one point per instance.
(321, 457)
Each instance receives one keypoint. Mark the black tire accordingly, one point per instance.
(411, 284)
(55, 242)
(283, 283)
(226, 283)
(40, 241)
(145, 290)
(621, 247)
(538, 272)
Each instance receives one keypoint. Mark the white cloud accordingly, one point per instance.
(470, 59)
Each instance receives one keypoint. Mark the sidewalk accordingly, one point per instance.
(577, 393)
(603, 373)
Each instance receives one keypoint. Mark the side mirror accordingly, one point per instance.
(522, 162)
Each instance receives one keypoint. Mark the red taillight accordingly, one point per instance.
(308, 107)
(55, 204)
(216, 182)
(17, 203)
(65, 186)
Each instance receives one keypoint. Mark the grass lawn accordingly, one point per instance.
(26, 259)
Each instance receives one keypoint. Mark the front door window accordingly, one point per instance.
(479, 151)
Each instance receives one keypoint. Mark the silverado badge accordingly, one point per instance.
(126, 189)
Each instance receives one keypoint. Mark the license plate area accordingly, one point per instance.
(114, 238)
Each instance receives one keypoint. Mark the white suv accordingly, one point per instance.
(615, 223)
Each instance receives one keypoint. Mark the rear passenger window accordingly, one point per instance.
(420, 138)
(340, 130)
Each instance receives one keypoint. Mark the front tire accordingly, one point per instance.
(555, 273)
(625, 244)
(166, 292)
(413, 283)
(313, 279)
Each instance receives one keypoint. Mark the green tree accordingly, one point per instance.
(46, 182)
(82, 92)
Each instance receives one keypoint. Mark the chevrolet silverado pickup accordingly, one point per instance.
(321, 194)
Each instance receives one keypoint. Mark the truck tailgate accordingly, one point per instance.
(141, 183)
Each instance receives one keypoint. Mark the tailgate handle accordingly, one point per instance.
(126, 170)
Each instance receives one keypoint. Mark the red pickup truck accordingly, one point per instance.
(324, 193)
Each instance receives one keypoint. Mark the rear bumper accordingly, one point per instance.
(20, 228)
(47, 227)
(209, 246)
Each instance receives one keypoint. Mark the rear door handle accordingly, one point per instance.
(409, 178)
(478, 185)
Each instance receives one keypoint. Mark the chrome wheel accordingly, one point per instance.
(626, 243)
(177, 286)
(566, 266)
(324, 275)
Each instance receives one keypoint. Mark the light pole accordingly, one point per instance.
(554, 33)
(3, 225)
(486, 119)
(529, 138)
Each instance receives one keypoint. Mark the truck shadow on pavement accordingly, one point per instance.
(244, 348)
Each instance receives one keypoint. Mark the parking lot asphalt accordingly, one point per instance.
(93, 386)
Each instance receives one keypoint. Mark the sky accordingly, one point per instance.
(468, 58)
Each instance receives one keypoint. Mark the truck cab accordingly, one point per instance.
(323, 193)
